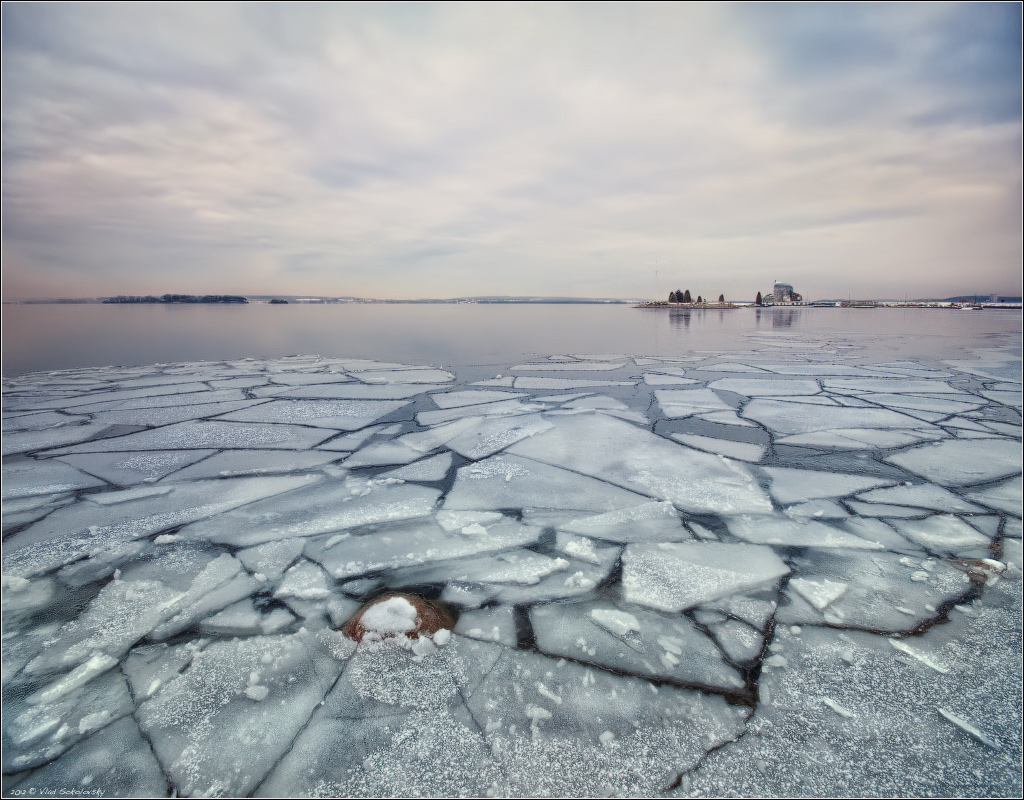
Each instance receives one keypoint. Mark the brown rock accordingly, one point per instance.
(430, 616)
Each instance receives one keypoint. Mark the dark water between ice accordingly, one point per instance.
(44, 337)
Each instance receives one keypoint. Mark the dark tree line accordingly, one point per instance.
(178, 298)
(680, 296)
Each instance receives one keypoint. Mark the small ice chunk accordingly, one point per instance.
(618, 622)
(97, 664)
(903, 647)
(820, 593)
(843, 712)
(970, 730)
(304, 581)
(257, 692)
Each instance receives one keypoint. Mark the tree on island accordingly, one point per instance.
(700, 299)
(679, 295)
(672, 297)
(686, 297)
(721, 298)
(757, 301)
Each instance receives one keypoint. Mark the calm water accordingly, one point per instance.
(58, 337)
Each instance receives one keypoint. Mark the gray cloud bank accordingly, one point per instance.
(412, 150)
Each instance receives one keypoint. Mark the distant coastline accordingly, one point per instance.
(172, 299)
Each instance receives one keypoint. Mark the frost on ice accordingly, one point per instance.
(699, 583)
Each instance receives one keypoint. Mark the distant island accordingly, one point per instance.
(176, 298)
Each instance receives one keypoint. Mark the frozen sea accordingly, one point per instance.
(742, 553)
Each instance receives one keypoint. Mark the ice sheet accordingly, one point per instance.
(623, 599)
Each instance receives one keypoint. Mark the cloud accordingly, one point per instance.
(438, 150)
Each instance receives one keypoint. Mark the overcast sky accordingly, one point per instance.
(422, 150)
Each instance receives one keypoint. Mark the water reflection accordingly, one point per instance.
(785, 317)
(781, 317)
(679, 318)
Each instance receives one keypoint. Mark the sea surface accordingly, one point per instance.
(45, 337)
(754, 553)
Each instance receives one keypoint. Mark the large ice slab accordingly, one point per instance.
(945, 534)
(345, 416)
(858, 438)
(110, 532)
(674, 577)
(412, 543)
(634, 641)
(44, 725)
(494, 624)
(419, 375)
(125, 469)
(924, 495)
(489, 436)
(347, 391)
(428, 470)
(872, 591)
(28, 477)
(648, 522)
(557, 727)
(766, 388)
(687, 402)
(959, 462)
(636, 459)
(395, 725)
(321, 507)
(795, 533)
(1004, 497)
(113, 762)
(564, 383)
(785, 417)
(505, 481)
(744, 451)
(223, 724)
(568, 366)
(28, 441)
(471, 397)
(212, 434)
(800, 485)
